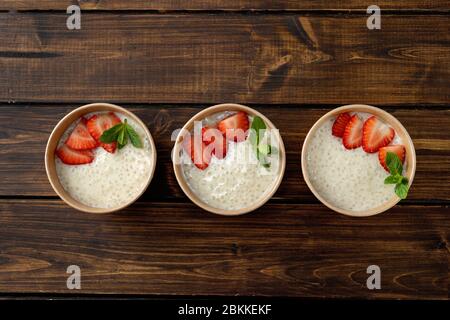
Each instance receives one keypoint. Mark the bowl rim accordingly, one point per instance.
(389, 119)
(56, 135)
(178, 170)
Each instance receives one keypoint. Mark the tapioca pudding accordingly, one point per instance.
(356, 162)
(227, 165)
(104, 160)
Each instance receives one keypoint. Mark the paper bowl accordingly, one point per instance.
(177, 166)
(53, 141)
(388, 119)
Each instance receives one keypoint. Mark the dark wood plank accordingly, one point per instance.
(221, 5)
(161, 248)
(215, 58)
(24, 131)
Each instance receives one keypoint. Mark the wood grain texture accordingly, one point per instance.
(221, 5)
(162, 248)
(203, 58)
(24, 131)
(294, 67)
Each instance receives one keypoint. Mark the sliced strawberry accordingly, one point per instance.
(199, 152)
(72, 157)
(235, 127)
(220, 148)
(399, 150)
(209, 134)
(340, 123)
(206, 157)
(110, 147)
(352, 137)
(376, 134)
(212, 136)
(80, 138)
(99, 123)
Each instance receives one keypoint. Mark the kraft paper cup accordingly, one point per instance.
(399, 131)
(53, 141)
(178, 169)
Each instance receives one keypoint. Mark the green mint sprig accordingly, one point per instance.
(121, 133)
(396, 168)
(256, 135)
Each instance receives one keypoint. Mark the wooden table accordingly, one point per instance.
(291, 60)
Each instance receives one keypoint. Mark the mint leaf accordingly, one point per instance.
(122, 136)
(122, 139)
(120, 145)
(390, 180)
(121, 133)
(265, 149)
(393, 163)
(134, 137)
(264, 162)
(394, 179)
(401, 190)
(111, 134)
(396, 168)
(257, 131)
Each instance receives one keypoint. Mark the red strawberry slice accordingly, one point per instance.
(80, 138)
(199, 152)
(99, 123)
(220, 148)
(399, 150)
(352, 137)
(110, 147)
(340, 123)
(212, 136)
(206, 158)
(72, 157)
(376, 134)
(235, 127)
